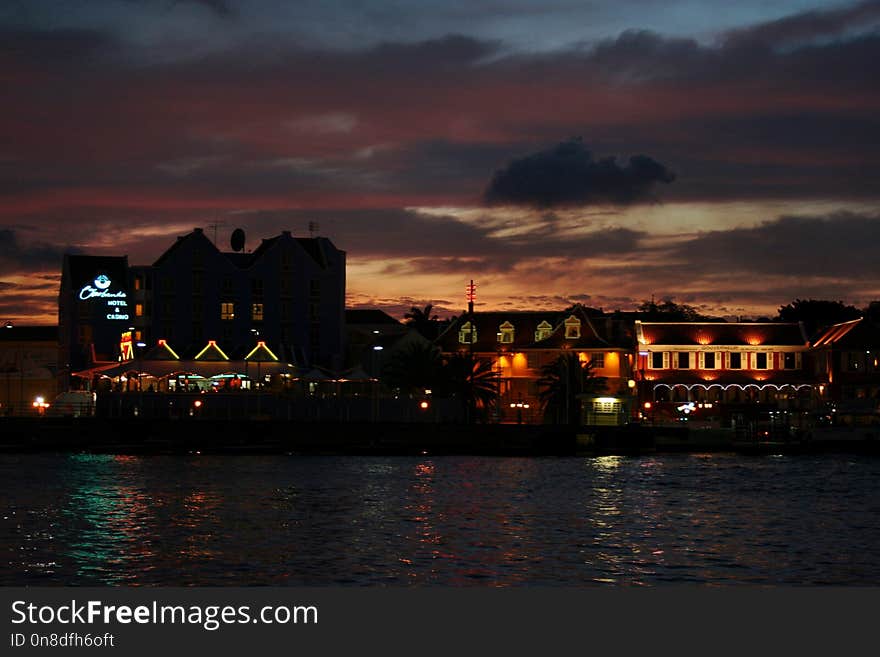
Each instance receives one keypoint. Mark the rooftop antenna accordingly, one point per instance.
(313, 228)
(215, 226)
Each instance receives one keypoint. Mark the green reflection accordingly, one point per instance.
(105, 515)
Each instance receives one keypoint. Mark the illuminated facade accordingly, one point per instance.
(846, 359)
(520, 344)
(288, 293)
(94, 309)
(724, 368)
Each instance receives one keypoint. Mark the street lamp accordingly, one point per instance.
(259, 369)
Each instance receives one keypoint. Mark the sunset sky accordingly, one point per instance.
(726, 154)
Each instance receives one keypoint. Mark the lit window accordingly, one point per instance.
(853, 361)
(139, 310)
(467, 334)
(543, 331)
(598, 360)
(138, 282)
(227, 310)
(257, 312)
(572, 328)
(506, 333)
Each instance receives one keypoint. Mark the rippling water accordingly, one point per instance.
(294, 520)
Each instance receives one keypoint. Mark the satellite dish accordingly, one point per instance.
(237, 240)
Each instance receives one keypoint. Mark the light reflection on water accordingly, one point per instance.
(459, 521)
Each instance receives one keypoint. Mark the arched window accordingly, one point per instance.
(543, 331)
(506, 333)
(572, 328)
(467, 334)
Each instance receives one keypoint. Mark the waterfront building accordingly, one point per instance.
(846, 360)
(287, 295)
(520, 343)
(28, 367)
(720, 372)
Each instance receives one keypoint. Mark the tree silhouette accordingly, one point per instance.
(423, 321)
(562, 383)
(472, 380)
(817, 314)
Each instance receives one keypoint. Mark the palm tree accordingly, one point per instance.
(472, 380)
(423, 321)
(562, 384)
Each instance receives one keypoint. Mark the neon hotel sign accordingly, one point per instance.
(117, 304)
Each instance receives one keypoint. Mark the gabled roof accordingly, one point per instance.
(525, 324)
(721, 333)
(196, 234)
(855, 334)
(315, 247)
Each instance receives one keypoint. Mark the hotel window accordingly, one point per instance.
(597, 360)
(198, 261)
(138, 283)
(659, 360)
(286, 285)
(791, 360)
(762, 361)
(227, 285)
(138, 310)
(257, 312)
(315, 287)
(683, 360)
(735, 360)
(167, 284)
(506, 333)
(543, 331)
(467, 334)
(533, 362)
(167, 309)
(286, 260)
(286, 311)
(572, 328)
(257, 287)
(709, 360)
(227, 310)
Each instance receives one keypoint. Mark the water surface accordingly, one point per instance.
(454, 521)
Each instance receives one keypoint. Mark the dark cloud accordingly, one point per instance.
(15, 256)
(444, 243)
(568, 175)
(840, 245)
(219, 8)
(809, 25)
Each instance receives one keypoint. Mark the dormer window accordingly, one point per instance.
(506, 333)
(467, 334)
(543, 331)
(572, 328)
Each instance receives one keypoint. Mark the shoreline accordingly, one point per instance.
(181, 436)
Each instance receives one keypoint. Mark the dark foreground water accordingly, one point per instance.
(456, 521)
